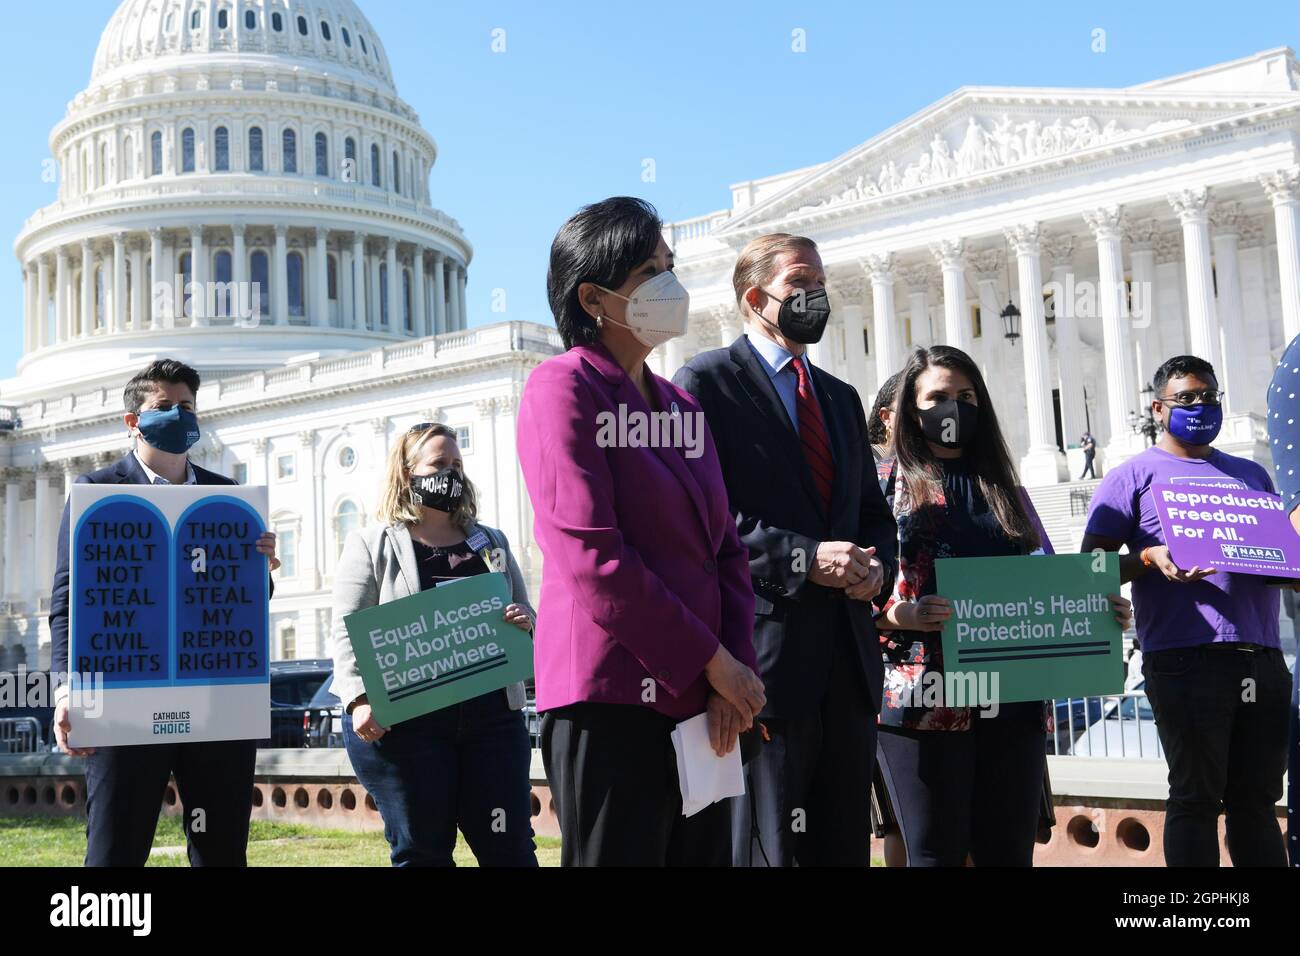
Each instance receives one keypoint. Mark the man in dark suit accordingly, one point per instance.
(125, 785)
(793, 444)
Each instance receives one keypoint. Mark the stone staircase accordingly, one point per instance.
(1063, 509)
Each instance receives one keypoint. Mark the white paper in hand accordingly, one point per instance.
(705, 777)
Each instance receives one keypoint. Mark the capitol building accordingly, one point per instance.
(242, 188)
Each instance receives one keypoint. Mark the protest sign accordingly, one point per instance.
(439, 647)
(1232, 529)
(169, 602)
(1032, 627)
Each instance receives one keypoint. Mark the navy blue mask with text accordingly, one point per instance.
(1196, 424)
(174, 430)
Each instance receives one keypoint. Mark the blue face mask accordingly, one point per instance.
(1195, 424)
(174, 431)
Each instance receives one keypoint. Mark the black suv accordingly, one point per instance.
(293, 685)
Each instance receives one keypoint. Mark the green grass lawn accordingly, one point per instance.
(37, 841)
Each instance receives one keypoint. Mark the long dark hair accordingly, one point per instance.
(877, 434)
(987, 454)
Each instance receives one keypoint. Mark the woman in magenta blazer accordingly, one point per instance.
(646, 612)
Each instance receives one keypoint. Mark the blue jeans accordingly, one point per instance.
(1222, 716)
(464, 766)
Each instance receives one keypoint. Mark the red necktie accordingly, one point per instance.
(812, 436)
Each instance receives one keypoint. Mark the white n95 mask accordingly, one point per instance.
(657, 309)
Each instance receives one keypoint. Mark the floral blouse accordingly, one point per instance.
(960, 524)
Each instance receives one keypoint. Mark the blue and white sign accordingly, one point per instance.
(169, 601)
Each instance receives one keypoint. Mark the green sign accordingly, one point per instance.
(1035, 627)
(438, 647)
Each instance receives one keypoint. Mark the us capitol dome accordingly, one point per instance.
(226, 143)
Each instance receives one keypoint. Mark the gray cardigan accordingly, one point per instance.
(378, 566)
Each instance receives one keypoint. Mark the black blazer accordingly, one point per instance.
(127, 471)
(777, 511)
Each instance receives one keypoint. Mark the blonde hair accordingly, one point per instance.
(757, 262)
(397, 502)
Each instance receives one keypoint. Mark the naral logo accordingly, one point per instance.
(1243, 553)
(75, 908)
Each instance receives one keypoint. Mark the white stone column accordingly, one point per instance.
(1234, 374)
(157, 298)
(359, 280)
(851, 315)
(950, 255)
(43, 337)
(280, 277)
(1283, 189)
(14, 564)
(1043, 464)
(320, 290)
(376, 300)
(118, 322)
(42, 566)
(200, 314)
(1121, 396)
(439, 293)
(889, 348)
(1069, 351)
(462, 279)
(139, 284)
(419, 319)
(918, 279)
(62, 282)
(396, 319)
(453, 298)
(87, 288)
(244, 304)
(1191, 205)
(1147, 351)
(29, 307)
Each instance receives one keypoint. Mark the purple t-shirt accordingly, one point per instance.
(1224, 606)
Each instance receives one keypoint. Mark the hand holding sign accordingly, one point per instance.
(1159, 557)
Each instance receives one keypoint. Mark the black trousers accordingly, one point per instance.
(808, 789)
(1223, 715)
(612, 771)
(970, 792)
(124, 794)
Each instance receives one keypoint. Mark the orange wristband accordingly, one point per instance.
(1145, 560)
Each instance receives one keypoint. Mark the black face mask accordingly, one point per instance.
(951, 424)
(441, 491)
(804, 316)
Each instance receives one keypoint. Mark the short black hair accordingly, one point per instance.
(147, 380)
(601, 243)
(1181, 365)
(884, 399)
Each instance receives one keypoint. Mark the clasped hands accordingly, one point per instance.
(842, 564)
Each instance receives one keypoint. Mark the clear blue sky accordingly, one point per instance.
(707, 88)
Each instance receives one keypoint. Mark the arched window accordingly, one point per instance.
(302, 25)
(196, 19)
(223, 18)
(221, 149)
(223, 275)
(155, 154)
(325, 31)
(383, 294)
(397, 173)
(250, 20)
(375, 170)
(294, 273)
(347, 518)
(255, 161)
(290, 143)
(170, 23)
(350, 160)
(347, 37)
(259, 270)
(406, 301)
(363, 43)
(322, 155)
(185, 265)
(277, 23)
(128, 158)
(187, 150)
(332, 278)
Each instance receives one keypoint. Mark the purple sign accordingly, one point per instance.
(1231, 528)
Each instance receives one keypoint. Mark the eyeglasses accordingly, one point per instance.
(1208, 396)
